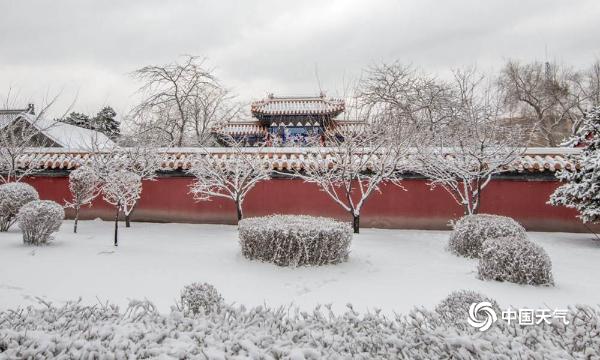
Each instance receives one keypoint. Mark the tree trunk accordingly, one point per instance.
(76, 220)
(240, 213)
(128, 216)
(356, 223)
(476, 207)
(117, 227)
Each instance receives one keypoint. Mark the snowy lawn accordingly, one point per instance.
(389, 269)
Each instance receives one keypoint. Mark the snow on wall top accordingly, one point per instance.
(280, 158)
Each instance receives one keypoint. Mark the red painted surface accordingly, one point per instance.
(416, 207)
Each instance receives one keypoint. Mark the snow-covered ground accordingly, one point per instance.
(394, 270)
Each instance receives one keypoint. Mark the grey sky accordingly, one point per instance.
(87, 48)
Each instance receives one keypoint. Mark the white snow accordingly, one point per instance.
(65, 135)
(389, 269)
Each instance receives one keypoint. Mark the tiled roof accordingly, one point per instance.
(64, 135)
(7, 116)
(255, 128)
(317, 105)
(534, 160)
(241, 129)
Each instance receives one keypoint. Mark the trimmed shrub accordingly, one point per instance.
(472, 230)
(515, 260)
(295, 240)
(200, 299)
(12, 197)
(38, 220)
(454, 309)
(77, 331)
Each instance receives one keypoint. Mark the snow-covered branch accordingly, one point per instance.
(478, 143)
(84, 185)
(121, 188)
(361, 160)
(231, 176)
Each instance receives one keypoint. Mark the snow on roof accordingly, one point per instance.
(7, 117)
(298, 105)
(284, 158)
(241, 128)
(65, 135)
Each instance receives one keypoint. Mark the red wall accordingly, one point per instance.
(417, 207)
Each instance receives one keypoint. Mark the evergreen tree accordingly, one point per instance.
(103, 122)
(77, 119)
(106, 123)
(582, 188)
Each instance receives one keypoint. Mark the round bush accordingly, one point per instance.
(472, 230)
(515, 260)
(292, 240)
(12, 197)
(454, 309)
(200, 298)
(38, 220)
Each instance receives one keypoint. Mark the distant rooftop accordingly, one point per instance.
(9, 115)
(63, 135)
(30, 109)
(297, 105)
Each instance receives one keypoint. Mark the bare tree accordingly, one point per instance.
(214, 106)
(84, 187)
(140, 158)
(121, 188)
(593, 83)
(463, 156)
(18, 132)
(181, 101)
(551, 98)
(145, 161)
(360, 160)
(230, 176)
(406, 93)
(586, 86)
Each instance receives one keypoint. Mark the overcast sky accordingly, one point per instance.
(86, 49)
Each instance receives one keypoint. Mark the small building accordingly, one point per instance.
(288, 120)
(41, 132)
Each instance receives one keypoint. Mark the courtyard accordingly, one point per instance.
(394, 270)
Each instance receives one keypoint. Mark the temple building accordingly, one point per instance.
(24, 127)
(287, 121)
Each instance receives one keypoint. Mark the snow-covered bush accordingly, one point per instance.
(455, 307)
(200, 298)
(472, 230)
(12, 197)
(294, 240)
(515, 260)
(75, 331)
(38, 219)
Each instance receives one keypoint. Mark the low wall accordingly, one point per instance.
(415, 206)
